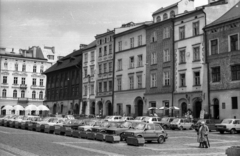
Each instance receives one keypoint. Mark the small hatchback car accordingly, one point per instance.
(229, 125)
(150, 132)
(181, 124)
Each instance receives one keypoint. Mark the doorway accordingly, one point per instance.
(184, 109)
(215, 108)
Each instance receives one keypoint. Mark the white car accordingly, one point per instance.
(114, 118)
(127, 118)
(181, 124)
(152, 119)
(139, 118)
(228, 125)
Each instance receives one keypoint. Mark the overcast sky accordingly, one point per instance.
(67, 23)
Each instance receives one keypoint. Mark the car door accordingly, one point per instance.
(238, 125)
(149, 133)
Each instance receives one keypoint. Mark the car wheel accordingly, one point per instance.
(181, 128)
(232, 131)
(160, 139)
(221, 132)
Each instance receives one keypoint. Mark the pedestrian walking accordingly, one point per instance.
(203, 135)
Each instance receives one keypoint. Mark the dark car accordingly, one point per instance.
(165, 122)
(61, 129)
(209, 122)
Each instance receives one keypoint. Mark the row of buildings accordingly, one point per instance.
(182, 58)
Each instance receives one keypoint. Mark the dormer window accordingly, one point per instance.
(172, 14)
(165, 16)
(50, 57)
(158, 19)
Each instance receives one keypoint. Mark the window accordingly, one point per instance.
(100, 41)
(166, 32)
(131, 63)
(34, 94)
(15, 94)
(50, 57)
(110, 85)
(195, 28)
(140, 61)
(41, 82)
(131, 82)
(85, 90)
(85, 72)
(166, 78)
(100, 69)
(165, 16)
(110, 49)
(166, 55)
(23, 80)
(105, 86)
(139, 81)
(119, 45)
(100, 52)
(234, 103)
(100, 86)
(105, 40)
(92, 56)
(154, 58)
(234, 42)
(139, 40)
(16, 67)
(235, 72)
(172, 14)
(119, 64)
(197, 78)
(105, 67)
(182, 80)
(181, 32)
(216, 74)
(4, 93)
(154, 37)
(41, 69)
(34, 82)
(182, 56)
(24, 67)
(92, 89)
(196, 53)
(4, 79)
(110, 66)
(85, 57)
(223, 105)
(153, 80)
(105, 50)
(92, 70)
(214, 46)
(158, 19)
(15, 80)
(22, 94)
(5, 65)
(119, 83)
(131, 42)
(40, 95)
(34, 68)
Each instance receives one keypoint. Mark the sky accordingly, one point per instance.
(65, 24)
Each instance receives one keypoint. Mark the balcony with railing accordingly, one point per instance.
(37, 87)
(23, 86)
(22, 100)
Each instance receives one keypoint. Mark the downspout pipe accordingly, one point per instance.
(113, 77)
(173, 63)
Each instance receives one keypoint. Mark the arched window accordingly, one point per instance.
(34, 68)
(24, 67)
(4, 93)
(34, 94)
(40, 95)
(16, 67)
(158, 18)
(22, 94)
(165, 16)
(172, 14)
(15, 94)
(41, 70)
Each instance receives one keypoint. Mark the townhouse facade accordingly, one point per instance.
(223, 59)
(89, 79)
(22, 79)
(105, 68)
(130, 60)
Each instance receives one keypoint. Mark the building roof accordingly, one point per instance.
(232, 14)
(166, 8)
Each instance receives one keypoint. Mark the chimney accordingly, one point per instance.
(53, 50)
(34, 52)
(82, 46)
(108, 30)
(13, 50)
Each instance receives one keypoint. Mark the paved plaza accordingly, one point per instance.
(17, 142)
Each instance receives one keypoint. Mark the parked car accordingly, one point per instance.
(4, 117)
(150, 132)
(72, 129)
(152, 119)
(181, 124)
(229, 125)
(209, 122)
(104, 125)
(26, 120)
(114, 118)
(127, 118)
(31, 125)
(49, 127)
(6, 121)
(41, 124)
(88, 125)
(165, 122)
(139, 118)
(14, 122)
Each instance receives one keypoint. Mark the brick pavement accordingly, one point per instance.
(180, 143)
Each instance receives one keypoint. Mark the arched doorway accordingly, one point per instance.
(215, 108)
(84, 107)
(100, 108)
(184, 108)
(76, 108)
(197, 108)
(138, 106)
(55, 108)
(109, 108)
(93, 108)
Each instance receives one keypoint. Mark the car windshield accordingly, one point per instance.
(164, 119)
(140, 126)
(227, 121)
(175, 120)
(125, 125)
